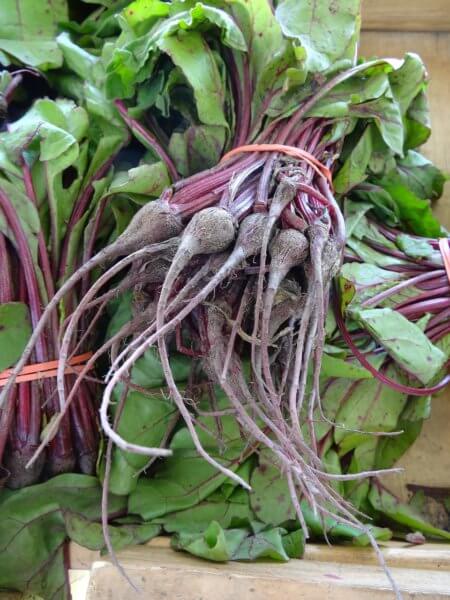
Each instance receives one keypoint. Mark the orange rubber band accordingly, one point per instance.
(46, 369)
(318, 167)
(445, 251)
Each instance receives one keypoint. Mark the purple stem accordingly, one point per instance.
(375, 372)
(78, 211)
(425, 296)
(147, 138)
(418, 309)
(397, 288)
(439, 318)
(62, 442)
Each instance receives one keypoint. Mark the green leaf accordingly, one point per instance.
(408, 81)
(199, 147)
(15, 329)
(32, 526)
(404, 341)
(388, 119)
(294, 544)
(354, 91)
(77, 59)
(145, 12)
(414, 247)
(367, 280)
(190, 52)
(390, 450)
(222, 545)
(337, 367)
(27, 213)
(89, 534)
(421, 176)
(226, 512)
(144, 420)
(271, 503)
(417, 122)
(182, 481)
(353, 171)
(27, 32)
(368, 406)
(214, 544)
(147, 180)
(307, 21)
(403, 514)
(383, 205)
(414, 212)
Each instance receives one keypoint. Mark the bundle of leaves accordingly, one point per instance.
(276, 140)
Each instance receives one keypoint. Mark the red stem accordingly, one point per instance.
(150, 139)
(412, 391)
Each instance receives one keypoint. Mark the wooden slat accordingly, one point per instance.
(406, 15)
(164, 574)
(431, 556)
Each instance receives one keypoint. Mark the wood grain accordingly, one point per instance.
(406, 15)
(431, 556)
(164, 574)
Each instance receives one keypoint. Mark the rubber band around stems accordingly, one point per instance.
(318, 167)
(46, 370)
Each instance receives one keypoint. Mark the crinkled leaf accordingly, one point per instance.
(148, 180)
(308, 21)
(408, 81)
(404, 341)
(27, 31)
(222, 545)
(190, 52)
(89, 534)
(413, 246)
(15, 330)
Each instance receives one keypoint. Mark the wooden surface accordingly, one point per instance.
(406, 15)
(164, 574)
(427, 462)
(430, 556)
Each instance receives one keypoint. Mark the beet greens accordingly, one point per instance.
(252, 301)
